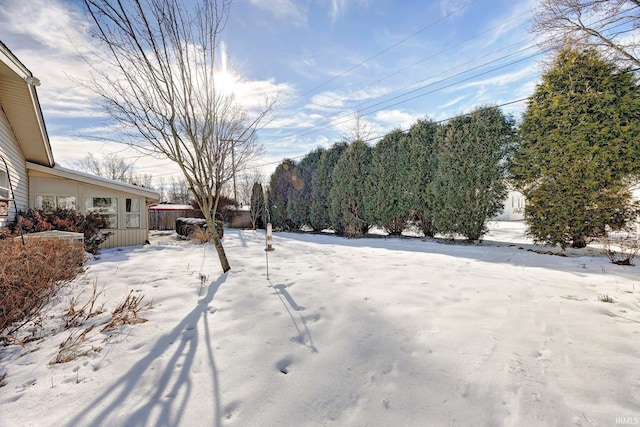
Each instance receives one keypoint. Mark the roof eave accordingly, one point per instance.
(64, 173)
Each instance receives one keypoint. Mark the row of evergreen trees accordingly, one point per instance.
(574, 157)
(447, 178)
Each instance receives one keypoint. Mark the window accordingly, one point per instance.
(133, 213)
(50, 203)
(106, 207)
(4, 184)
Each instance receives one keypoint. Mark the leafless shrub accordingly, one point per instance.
(72, 348)
(2, 378)
(201, 235)
(621, 248)
(31, 275)
(126, 313)
(605, 298)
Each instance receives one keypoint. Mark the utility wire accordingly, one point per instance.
(404, 130)
(447, 16)
(383, 104)
(445, 50)
(328, 122)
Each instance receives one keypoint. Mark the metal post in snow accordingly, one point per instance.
(269, 240)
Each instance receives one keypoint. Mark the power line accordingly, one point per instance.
(445, 50)
(336, 120)
(346, 117)
(403, 130)
(447, 16)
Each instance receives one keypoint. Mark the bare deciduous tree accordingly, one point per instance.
(161, 89)
(358, 130)
(611, 26)
(245, 185)
(115, 167)
(179, 191)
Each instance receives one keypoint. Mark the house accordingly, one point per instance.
(30, 178)
(513, 207)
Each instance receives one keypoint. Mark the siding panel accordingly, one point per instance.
(11, 153)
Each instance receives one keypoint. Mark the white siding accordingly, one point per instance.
(513, 207)
(41, 184)
(10, 152)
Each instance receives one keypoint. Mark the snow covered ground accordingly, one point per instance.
(378, 332)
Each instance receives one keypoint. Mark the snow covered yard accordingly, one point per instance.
(346, 332)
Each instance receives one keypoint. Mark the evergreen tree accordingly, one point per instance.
(281, 185)
(257, 206)
(470, 186)
(348, 189)
(387, 199)
(299, 203)
(421, 173)
(320, 207)
(580, 145)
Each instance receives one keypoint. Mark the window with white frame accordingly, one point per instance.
(4, 184)
(133, 213)
(49, 203)
(106, 207)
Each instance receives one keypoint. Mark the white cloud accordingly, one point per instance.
(390, 119)
(452, 102)
(501, 80)
(448, 7)
(337, 8)
(67, 150)
(284, 10)
(328, 100)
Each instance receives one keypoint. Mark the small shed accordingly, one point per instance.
(163, 216)
(238, 217)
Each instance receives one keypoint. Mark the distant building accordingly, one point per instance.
(513, 207)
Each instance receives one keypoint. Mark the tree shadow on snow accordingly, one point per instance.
(169, 392)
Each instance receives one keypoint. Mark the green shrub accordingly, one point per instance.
(30, 276)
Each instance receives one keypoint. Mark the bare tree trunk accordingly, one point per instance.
(224, 262)
(157, 80)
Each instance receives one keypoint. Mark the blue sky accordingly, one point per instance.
(328, 61)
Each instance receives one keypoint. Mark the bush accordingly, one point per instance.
(91, 225)
(621, 247)
(31, 275)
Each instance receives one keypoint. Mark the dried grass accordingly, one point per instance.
(201, 235)
(126, 313)
(72, 348)
(76, 316)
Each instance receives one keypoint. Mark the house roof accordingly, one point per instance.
(19, 100)
(168, 207)
(61, 172)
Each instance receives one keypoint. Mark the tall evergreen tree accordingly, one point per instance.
(257, 206)
(387, 199)
(320, 207)
(348, 189)
(580, 145)
(281, 185)
(299, 203)
(470, 182)
(422, 170)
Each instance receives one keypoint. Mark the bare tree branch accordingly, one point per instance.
(161, 90)
(611, 26)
